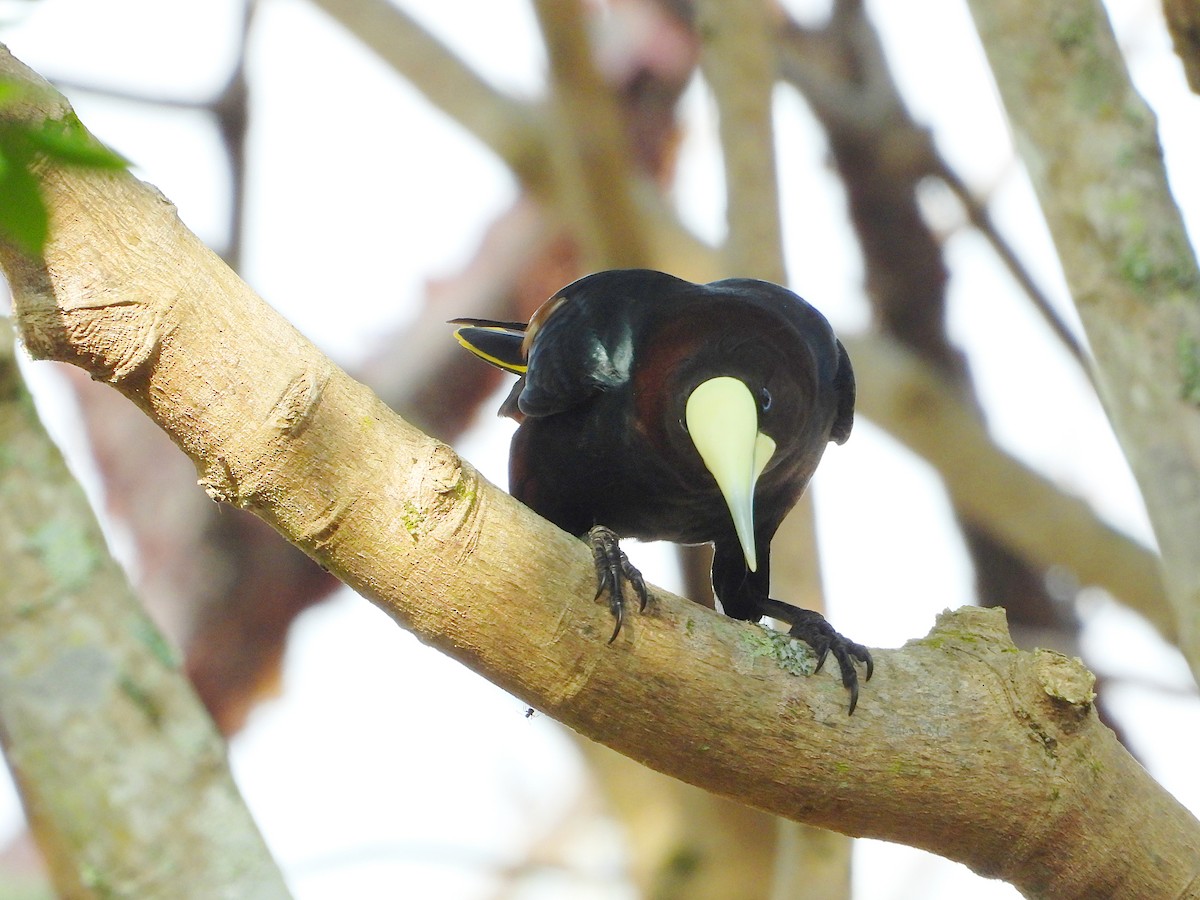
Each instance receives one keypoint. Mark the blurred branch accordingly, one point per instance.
(739, 66)
(738, 61)
(963, 745)
(1183, 21)
(229, 107)
(981, 218)
(122, 775)
(843, 74)
(1022, 508)
(1092, 150)
(686, 843)
(514, 131)
(589, 147)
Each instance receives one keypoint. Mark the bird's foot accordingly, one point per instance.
(813, 628)
(613, 569)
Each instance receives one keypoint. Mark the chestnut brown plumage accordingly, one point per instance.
(658, 409)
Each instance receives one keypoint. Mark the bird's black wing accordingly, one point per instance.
(580, 349)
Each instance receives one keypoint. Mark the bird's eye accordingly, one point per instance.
(764, 399)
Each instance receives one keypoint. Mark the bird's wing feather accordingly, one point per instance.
(578, 350)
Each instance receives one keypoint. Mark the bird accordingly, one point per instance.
(654, 408)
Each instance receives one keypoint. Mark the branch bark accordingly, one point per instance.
(962, 745)
(1092, 150)
(122, 774)
(739, 64)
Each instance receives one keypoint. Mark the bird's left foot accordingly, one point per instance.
(613, 569)
(813, 628)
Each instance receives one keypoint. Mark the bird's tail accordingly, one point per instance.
(499, 343)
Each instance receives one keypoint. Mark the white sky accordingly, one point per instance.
(433, 779)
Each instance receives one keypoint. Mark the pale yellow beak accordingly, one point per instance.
(722, 419)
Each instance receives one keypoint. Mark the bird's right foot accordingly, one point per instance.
(812, 628)
(613, 569)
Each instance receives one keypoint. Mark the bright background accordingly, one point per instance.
(387, 769)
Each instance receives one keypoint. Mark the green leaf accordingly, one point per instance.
(67, 141)
(23, 218)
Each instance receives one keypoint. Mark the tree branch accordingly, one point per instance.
(589, 146)
(1016, 504)
(122, 775)
(739, 65)
(1092, 150)
(517, 132)
(962, 745)
(513, 130)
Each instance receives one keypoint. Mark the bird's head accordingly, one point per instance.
(731, 406)
(751, 398)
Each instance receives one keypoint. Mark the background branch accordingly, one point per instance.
(589, 148)
(1092, 150)
(739, 65)
(122, 774)
(998, 492)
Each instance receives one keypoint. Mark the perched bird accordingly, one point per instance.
(658, 409)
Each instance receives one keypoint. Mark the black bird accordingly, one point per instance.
(658, 409)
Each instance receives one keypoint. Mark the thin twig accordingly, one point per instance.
(981, 218)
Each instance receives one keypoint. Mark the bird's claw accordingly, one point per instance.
(812, 628)
(613, 569)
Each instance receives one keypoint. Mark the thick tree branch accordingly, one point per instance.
(513, 130)
(962, 744)
(122, 775)
(1092, 150)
